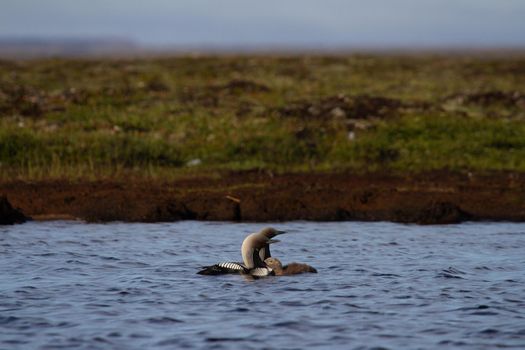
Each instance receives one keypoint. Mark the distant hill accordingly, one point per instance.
(37, 47)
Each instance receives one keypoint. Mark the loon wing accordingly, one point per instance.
(223, 268)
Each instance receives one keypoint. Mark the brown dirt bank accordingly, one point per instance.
(430, 198)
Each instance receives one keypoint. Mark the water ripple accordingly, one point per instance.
(380, 286)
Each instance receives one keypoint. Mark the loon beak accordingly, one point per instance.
(280, 232)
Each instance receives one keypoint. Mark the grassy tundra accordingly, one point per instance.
(153, 117)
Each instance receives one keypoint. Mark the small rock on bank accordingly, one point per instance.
(10, 215)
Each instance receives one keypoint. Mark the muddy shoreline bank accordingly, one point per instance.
(431, 198)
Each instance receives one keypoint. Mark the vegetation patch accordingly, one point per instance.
(163, 117)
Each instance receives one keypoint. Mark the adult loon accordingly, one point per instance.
(254, 250)
(287, 270)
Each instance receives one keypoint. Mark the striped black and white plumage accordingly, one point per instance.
(261, 272)
(223, 268)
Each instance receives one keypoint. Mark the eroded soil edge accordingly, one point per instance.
(431, 198)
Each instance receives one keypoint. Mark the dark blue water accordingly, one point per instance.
(380, 285)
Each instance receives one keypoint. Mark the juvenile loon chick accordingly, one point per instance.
(255, 248)
(290, 269)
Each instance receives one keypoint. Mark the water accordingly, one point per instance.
(380, 285)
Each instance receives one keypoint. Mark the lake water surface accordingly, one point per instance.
(380, 286)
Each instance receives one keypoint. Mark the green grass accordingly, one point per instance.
(156, 117)
(413, 144)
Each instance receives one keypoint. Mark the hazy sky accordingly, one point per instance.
(329, 23)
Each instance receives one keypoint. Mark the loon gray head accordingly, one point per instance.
(270, 232)
(256, 247)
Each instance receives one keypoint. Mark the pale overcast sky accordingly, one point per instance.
(299, 23)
